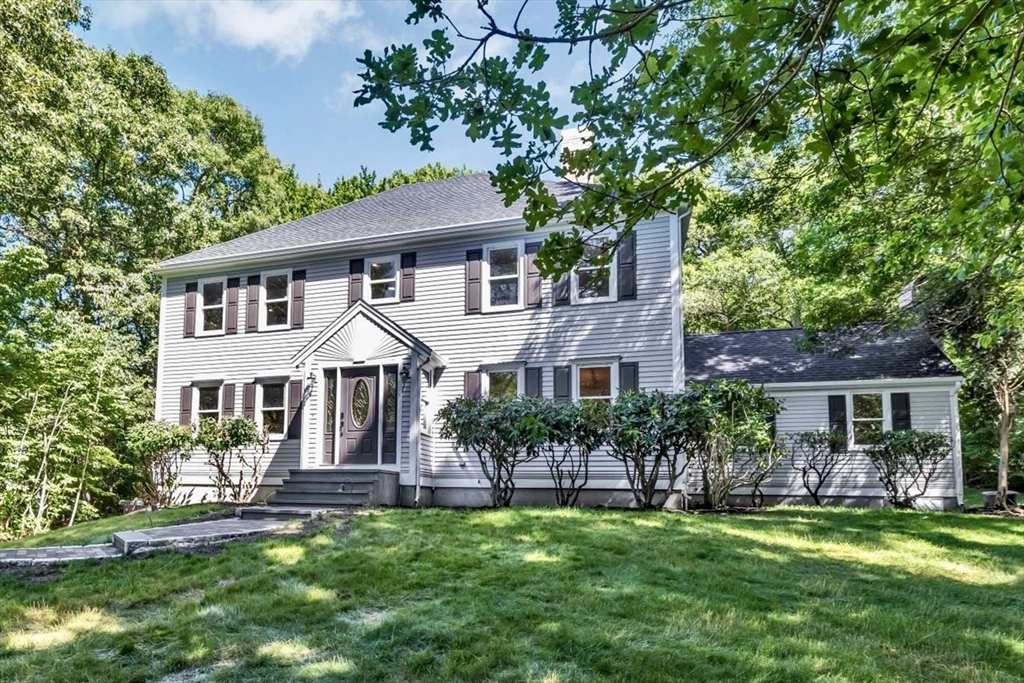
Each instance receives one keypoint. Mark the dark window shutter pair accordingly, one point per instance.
(474, 283)
(298, 299)
(627, 267)
(900, 404)
(471, 385)
(227, 400)
(295, 409)
(231, 322)
(629, 377)
(191, 292)
(355, 280)
(533, 279)
(252, 303)
(407, 282)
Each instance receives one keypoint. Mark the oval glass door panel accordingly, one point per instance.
(360, 402)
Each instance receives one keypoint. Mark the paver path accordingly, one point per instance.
(127, 542)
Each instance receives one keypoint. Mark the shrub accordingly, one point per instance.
(503, 433)
(816, 455)
(235, 448)
(729, 436)
(574, 431)
(907, 461)
(161, 449)
(646, 431)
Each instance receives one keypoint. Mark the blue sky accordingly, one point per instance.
(293, 64)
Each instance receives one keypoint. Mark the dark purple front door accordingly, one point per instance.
(358, 419)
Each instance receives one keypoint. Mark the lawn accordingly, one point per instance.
(99, 530)
(788, 595)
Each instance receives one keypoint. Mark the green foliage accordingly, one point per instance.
(160, 449)
(235, 448)
(574, 431)
(816, 455)
(907, 461)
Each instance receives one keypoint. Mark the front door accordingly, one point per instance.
(358, 418)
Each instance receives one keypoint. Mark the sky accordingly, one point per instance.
(293, 64)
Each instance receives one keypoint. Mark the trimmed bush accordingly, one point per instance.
(816, 455)
(907, 461)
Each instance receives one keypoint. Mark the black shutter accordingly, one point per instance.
(185, 407)
(837, 414)
(252, 303)
(298, 299)
(474, 286)
(227, 400)
(627, 267)
(532, 276)
(407, 286)
(249, 401)
(355, 280)
(295, 409)
(900, 404)
(231, 325)
(191, 290)
(534, 382)
(560, 290)
(563, 383)
(629, 377)
(773, 427)
(471, 387)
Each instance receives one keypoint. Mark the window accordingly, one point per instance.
(868, 419)
(209, 404)
(503, 277)
(597, 382)
(211, 306)
(502, 383)
(272, 409)
(276, 288)
(383, 274)
(594, 278)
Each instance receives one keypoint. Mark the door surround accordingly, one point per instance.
(381, 366)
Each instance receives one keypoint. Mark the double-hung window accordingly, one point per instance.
(503, 276)
(383, 277)
(211, 306)
(208, 406)
(276, 290)
(868, 419)
(596, 381)
(594, 278)
(272, 408)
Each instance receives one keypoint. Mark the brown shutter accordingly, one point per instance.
(629, 377)
(298, 299)
(191, 289)
(474, 286)
(837, 414)
(231, 324)
(534, 382)
(355, 280)
(627, 267)
(900, 404)
(560, 290)
(252, 303)
(407, 286)
(294, 409)
(249, 400)
(471, 385)
(532, 276)
(185, 409)
(563, 383)
(227, 400)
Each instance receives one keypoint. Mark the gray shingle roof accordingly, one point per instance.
(455, 201)
(772, 356)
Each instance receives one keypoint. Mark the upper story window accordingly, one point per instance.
(594, 278)
(275, 292)
(211, 306)
(208, 406)
(503, 276)
(868, 419)
(383, 276)
(596, 381)
(272, 410)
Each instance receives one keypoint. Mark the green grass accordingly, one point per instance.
(99, 530)
(789, 595)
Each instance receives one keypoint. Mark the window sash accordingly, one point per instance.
(268, 301)
(511, 379)
(489, 279)
(275, 410)
(202, 306)
(611, 281)
(882, 423)
(613, 381)
(393, 280)
(207, 413)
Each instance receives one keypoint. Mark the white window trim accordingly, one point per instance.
(263, 326)
(613, 364)
(613, 285)
(368, 281)
(485, 376)
(259, 405)
(485, 276)
(201, 310)
(195, 399)
(886, 415)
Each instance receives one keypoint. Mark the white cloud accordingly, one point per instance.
(341, 98)
(286, 28)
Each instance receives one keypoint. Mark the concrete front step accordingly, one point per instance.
(284, 512)
(195, 533)
(284, 497)
(340, 476)
(326, 487)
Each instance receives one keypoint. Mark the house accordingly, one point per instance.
(343, 333)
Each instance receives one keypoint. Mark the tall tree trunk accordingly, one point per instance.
(1005, 399)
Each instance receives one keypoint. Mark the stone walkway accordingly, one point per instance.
(143, 540)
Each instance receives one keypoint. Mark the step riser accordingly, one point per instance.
(325, 487)
(318, 499)
(335, 475)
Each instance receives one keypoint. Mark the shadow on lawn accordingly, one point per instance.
(794, 595)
